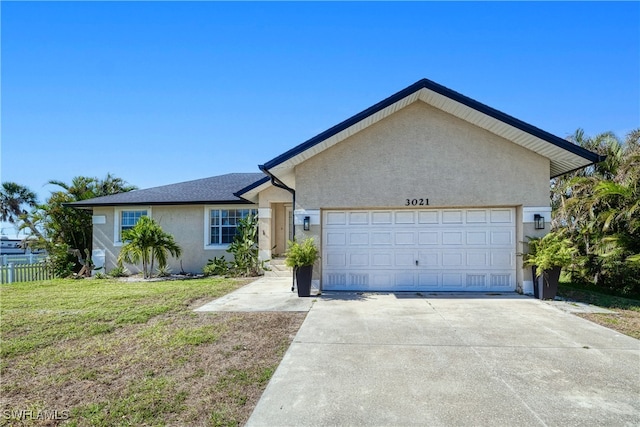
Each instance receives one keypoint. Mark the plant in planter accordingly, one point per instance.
(301, 256)
(547, 255)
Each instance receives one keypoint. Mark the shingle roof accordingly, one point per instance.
(213, 190)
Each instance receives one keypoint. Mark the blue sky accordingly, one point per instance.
(158, 93)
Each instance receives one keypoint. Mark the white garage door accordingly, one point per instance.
(426, 250)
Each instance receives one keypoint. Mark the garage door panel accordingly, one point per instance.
(446, 249)
(476, 238)
(337, 238)
(381, 281)
(429, 259)
(407, 217)
(477, 259)
(502, 259)
(429, 280)
(381, 238)
(428, 217)
(335, 280)
(501, 280)
(502, 216)
(358, 280)
(358, 218)
(405, 238)
(428, 238)
(359, 239)
(404, 259)
(502, 237)
(452, 237)
(336, 218)
(452, 217)
(475, 281)
(405, 280)
(381, 259)
(452, 280)
(336, 260)
(478, 216)
(358, 260)
(452, 259)
(381, 218)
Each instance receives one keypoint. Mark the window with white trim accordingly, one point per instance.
(223, 224)
(126, 220)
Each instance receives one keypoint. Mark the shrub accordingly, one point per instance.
(548, 252)
(218, 266)
(119, 271)
(301, 254)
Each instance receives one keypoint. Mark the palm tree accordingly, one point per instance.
(145, 243)
(71, 227)
(14, 198)
(599, 209)
(112, 185)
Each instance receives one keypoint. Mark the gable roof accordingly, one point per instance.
(214, 190)
(564, 156)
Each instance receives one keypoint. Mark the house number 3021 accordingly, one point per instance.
(416, 202)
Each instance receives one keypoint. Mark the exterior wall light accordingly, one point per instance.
(538, 220)
(306, 223)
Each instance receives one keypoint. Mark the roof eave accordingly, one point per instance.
(288, 159)
(156, 203)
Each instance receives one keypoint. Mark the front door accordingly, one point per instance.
(289, 225)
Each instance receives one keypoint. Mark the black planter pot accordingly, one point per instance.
(550, 283)
(303, 280)
(536, 290)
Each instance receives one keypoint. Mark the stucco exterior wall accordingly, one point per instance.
(103, 238)
(185, 223)
(422, 152)
(273, 195)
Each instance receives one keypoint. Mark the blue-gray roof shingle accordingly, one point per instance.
(213, 190)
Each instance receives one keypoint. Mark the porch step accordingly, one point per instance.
(278, 269)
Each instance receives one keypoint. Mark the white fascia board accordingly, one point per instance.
(562, 160)
(252, 195)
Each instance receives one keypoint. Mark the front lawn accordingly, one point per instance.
(108, 352)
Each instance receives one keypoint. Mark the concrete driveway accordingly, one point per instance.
(451, 360)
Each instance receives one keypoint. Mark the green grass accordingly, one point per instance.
(112, 352)
(38, 314)
(591, 296)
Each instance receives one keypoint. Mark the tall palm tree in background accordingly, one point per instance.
(61, 230)
(598, 208)
(70, 230)
(15, 200)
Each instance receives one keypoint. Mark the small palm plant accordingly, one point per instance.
(147, 242)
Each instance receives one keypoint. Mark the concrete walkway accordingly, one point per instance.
(450, 360)
(265, 294)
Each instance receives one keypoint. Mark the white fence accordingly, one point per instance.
(24, 268)
(13, 272)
